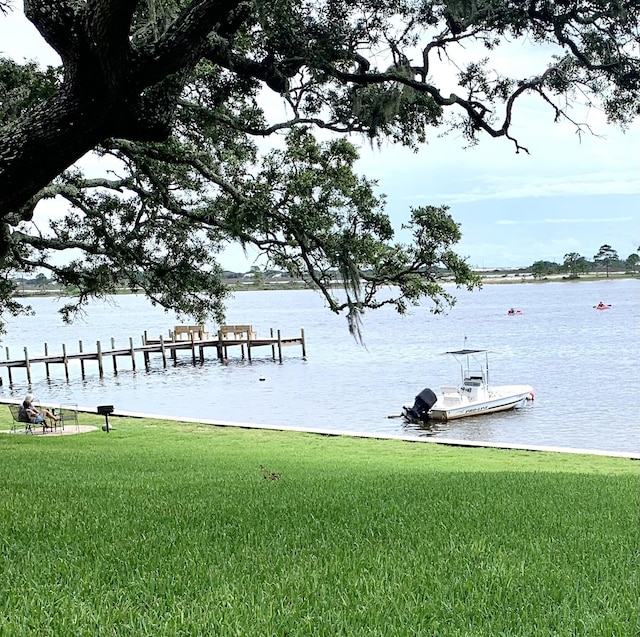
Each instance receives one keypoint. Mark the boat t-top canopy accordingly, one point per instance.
(465, 356)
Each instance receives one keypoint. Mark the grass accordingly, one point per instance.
(164, 529)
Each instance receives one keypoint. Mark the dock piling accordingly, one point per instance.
(65, 360)
(46, 354)
(219, 345)
(114, 358)
(81, 359)
(27, 365)
(193, 349)
(99, 357)
(8, 368)
(163, 351)
(133, 354)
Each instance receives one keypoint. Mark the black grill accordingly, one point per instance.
(105, 410)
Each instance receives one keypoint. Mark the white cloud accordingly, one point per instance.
(588, 220)
(525, 222)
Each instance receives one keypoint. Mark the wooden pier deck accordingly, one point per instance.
(194, 340)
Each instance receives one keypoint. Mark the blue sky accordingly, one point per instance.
(570, 194)
(567, 195)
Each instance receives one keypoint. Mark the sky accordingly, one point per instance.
(571, 193)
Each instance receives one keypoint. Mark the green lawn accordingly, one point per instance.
(164, 529)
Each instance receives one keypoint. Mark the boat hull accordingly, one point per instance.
(473, 397)
(501, 399)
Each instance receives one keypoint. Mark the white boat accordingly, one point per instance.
(474, 396)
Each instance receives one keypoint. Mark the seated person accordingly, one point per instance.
(30, 413)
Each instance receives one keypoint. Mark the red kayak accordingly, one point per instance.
(602, 306)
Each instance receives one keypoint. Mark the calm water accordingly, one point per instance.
(583, 363)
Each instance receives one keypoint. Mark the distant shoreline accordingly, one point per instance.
(499, 279)
(554, 278)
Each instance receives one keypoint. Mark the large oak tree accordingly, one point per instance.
(176, 94)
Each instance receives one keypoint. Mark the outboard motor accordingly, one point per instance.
(425, 400)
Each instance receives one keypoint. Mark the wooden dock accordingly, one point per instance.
(192, 339)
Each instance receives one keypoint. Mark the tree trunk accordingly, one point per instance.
(42, 145)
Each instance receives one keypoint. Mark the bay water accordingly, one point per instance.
(583, 364)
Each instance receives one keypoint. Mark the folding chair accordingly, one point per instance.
(68, 415)
(17, 420)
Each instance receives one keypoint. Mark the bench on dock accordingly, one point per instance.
(189, 332)
(237, 332)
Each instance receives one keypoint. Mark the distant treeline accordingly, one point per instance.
(606, 260)
(574, 264)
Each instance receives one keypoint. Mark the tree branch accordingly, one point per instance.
(59, 23)
(182, 44)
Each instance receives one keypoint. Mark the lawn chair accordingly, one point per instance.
(68, 416)
(18, 419)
